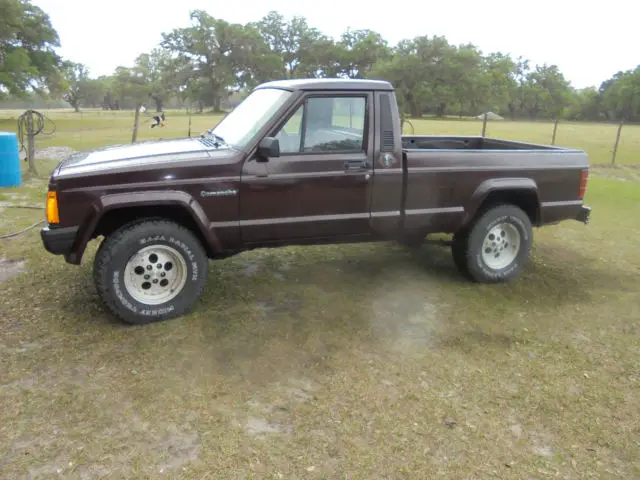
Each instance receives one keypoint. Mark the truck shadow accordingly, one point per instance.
(264, 314)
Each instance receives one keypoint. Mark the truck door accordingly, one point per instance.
(319, 186)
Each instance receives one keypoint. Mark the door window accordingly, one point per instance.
(331, 124)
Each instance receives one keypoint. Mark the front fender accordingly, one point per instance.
(109, 202)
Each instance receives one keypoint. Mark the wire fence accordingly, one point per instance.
(610, 144)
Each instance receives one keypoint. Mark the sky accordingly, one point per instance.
(589, 43)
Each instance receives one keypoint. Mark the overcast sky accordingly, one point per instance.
(589, 42)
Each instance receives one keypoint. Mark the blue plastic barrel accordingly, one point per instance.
(10, 174)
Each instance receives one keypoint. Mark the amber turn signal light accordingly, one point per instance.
(52, 208)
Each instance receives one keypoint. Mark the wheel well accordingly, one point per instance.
(114, 219)
(527, 200)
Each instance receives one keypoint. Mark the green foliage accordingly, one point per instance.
(621, 96)
(28, 61)
(212, 53)
(75, 83)
(359, 50)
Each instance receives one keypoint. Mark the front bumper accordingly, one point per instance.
(584, 214)
(58, 240)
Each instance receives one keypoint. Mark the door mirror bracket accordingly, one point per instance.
(267, 148)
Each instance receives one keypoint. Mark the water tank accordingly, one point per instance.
(10, 174)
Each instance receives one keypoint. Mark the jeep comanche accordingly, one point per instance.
(300, 162)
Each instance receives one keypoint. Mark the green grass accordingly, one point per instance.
(345, 361)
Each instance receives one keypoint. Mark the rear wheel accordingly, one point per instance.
(496, 246)
(150, 271)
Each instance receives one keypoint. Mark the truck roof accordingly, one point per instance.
(327, 84)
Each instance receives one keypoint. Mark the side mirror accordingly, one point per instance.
(268, 147)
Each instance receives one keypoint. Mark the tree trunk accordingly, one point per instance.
(216, 104)
(159, 103)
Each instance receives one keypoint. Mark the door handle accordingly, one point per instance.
(355, 165)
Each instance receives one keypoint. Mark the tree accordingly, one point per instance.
(516, 87)
(546, 92)
(76, 82)
(206, 49)
(94, 91)
(500, 70)
(469, 77)
(293, 42)
(155, 70)
(28, 61)
(586, 105)
(130, 87)
(404, 72)
(359, 50)
(620, 95)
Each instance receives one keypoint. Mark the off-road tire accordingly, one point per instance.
(467, 248)
(116, 250)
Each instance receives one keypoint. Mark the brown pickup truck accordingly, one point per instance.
(301, 162)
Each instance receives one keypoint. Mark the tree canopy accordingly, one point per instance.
(209, 61)
(28, 62)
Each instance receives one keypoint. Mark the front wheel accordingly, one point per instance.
(496, 246)
(150, 271)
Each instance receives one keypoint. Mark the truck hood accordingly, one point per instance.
(142, 154)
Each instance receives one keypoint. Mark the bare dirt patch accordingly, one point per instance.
(10, 268)
(51, 153)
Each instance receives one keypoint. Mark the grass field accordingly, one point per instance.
(358, 361)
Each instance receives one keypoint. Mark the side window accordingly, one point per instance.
(331, 124)
(334, 124)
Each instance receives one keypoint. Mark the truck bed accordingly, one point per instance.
(452, 142)
(447, 176)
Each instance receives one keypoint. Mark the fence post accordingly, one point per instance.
(555, 130)
(615, 147)
(136, 121)
(189, 134)
(484, 125)
(31, 144)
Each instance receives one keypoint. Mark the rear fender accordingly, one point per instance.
(487, 187)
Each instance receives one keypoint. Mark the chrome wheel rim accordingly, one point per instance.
(501, 246)
(155, 274)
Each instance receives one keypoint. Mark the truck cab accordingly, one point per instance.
(329, 165)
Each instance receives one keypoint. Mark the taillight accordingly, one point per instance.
(584, 176)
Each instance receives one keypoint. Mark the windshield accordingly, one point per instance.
(244, 121)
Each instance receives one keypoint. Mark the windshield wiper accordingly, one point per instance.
(218, 140)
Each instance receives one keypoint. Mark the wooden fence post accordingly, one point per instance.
(136, 121)
(484, 125)
(555, 130)
(31, 143)
(615, 147)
